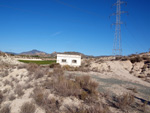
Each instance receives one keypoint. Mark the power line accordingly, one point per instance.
(117, 47)
(80, 9)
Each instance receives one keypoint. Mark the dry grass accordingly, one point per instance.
(22, 66)
(55, 65)
(87, 84)
(36, 70)
(5, 109)
(19, 90)
(70, 68)
(81, 87)
(1, 97)
(95, 108)
(38, 74)
(41, 98)
(143, 106)
(5, 73)
(7, 82)
(63, 86)
(12, 97)
(124, 101)
(31, 67)
(27, 108)
(134, 89)
(57, 72)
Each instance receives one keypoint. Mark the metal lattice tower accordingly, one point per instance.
(117, 47)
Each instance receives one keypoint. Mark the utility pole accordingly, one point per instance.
(117, 47)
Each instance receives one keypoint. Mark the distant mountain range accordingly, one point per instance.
(44, 54)
(33, 52)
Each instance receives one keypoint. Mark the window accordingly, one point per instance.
(63, 60)
(74, 61)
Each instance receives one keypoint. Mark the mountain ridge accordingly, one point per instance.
(33, 52)
(44, 54)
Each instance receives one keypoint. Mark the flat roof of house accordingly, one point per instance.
(67, 55)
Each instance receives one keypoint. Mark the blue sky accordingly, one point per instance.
(72, 25)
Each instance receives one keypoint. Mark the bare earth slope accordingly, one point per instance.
(49, 91)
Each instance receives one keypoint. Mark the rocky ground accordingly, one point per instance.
(98, 86)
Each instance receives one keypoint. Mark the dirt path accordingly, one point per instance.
(113, 84)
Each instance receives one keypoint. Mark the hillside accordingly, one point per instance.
(100, 85)
(33, 52)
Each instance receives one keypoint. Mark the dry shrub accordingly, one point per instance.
(87, 84)
(118, 58)
(147, 61)
(2, 54)
(67, 88)
(58, 72)
(124, 58)
(7, 82)
(82, 87)
(15, 80)
(19, 90)
(144, 67)
(55, 65)
(22, 66)
(1, 97)
(51, 105)
(36, 70)
(148, 74)
(146, 57)
(38, 74)
(39, 96)
(83, 95)
(5, 73)
(5, 90)
(27, 86)
(95, 108)
(134, 89)
(63, 86)
(27, 108)
(32, 67)
(12, 97)
(5, 109)
(98, 109)
(124, 101)
(70, 68)
(41, 99)
(136, 59)
(143, 106)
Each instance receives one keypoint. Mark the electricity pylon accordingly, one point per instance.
(117, 47)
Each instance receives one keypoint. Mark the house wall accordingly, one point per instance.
(72, 60)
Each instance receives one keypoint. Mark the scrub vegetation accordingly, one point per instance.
(33, 88)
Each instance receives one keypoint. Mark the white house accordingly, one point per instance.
(71, 60)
